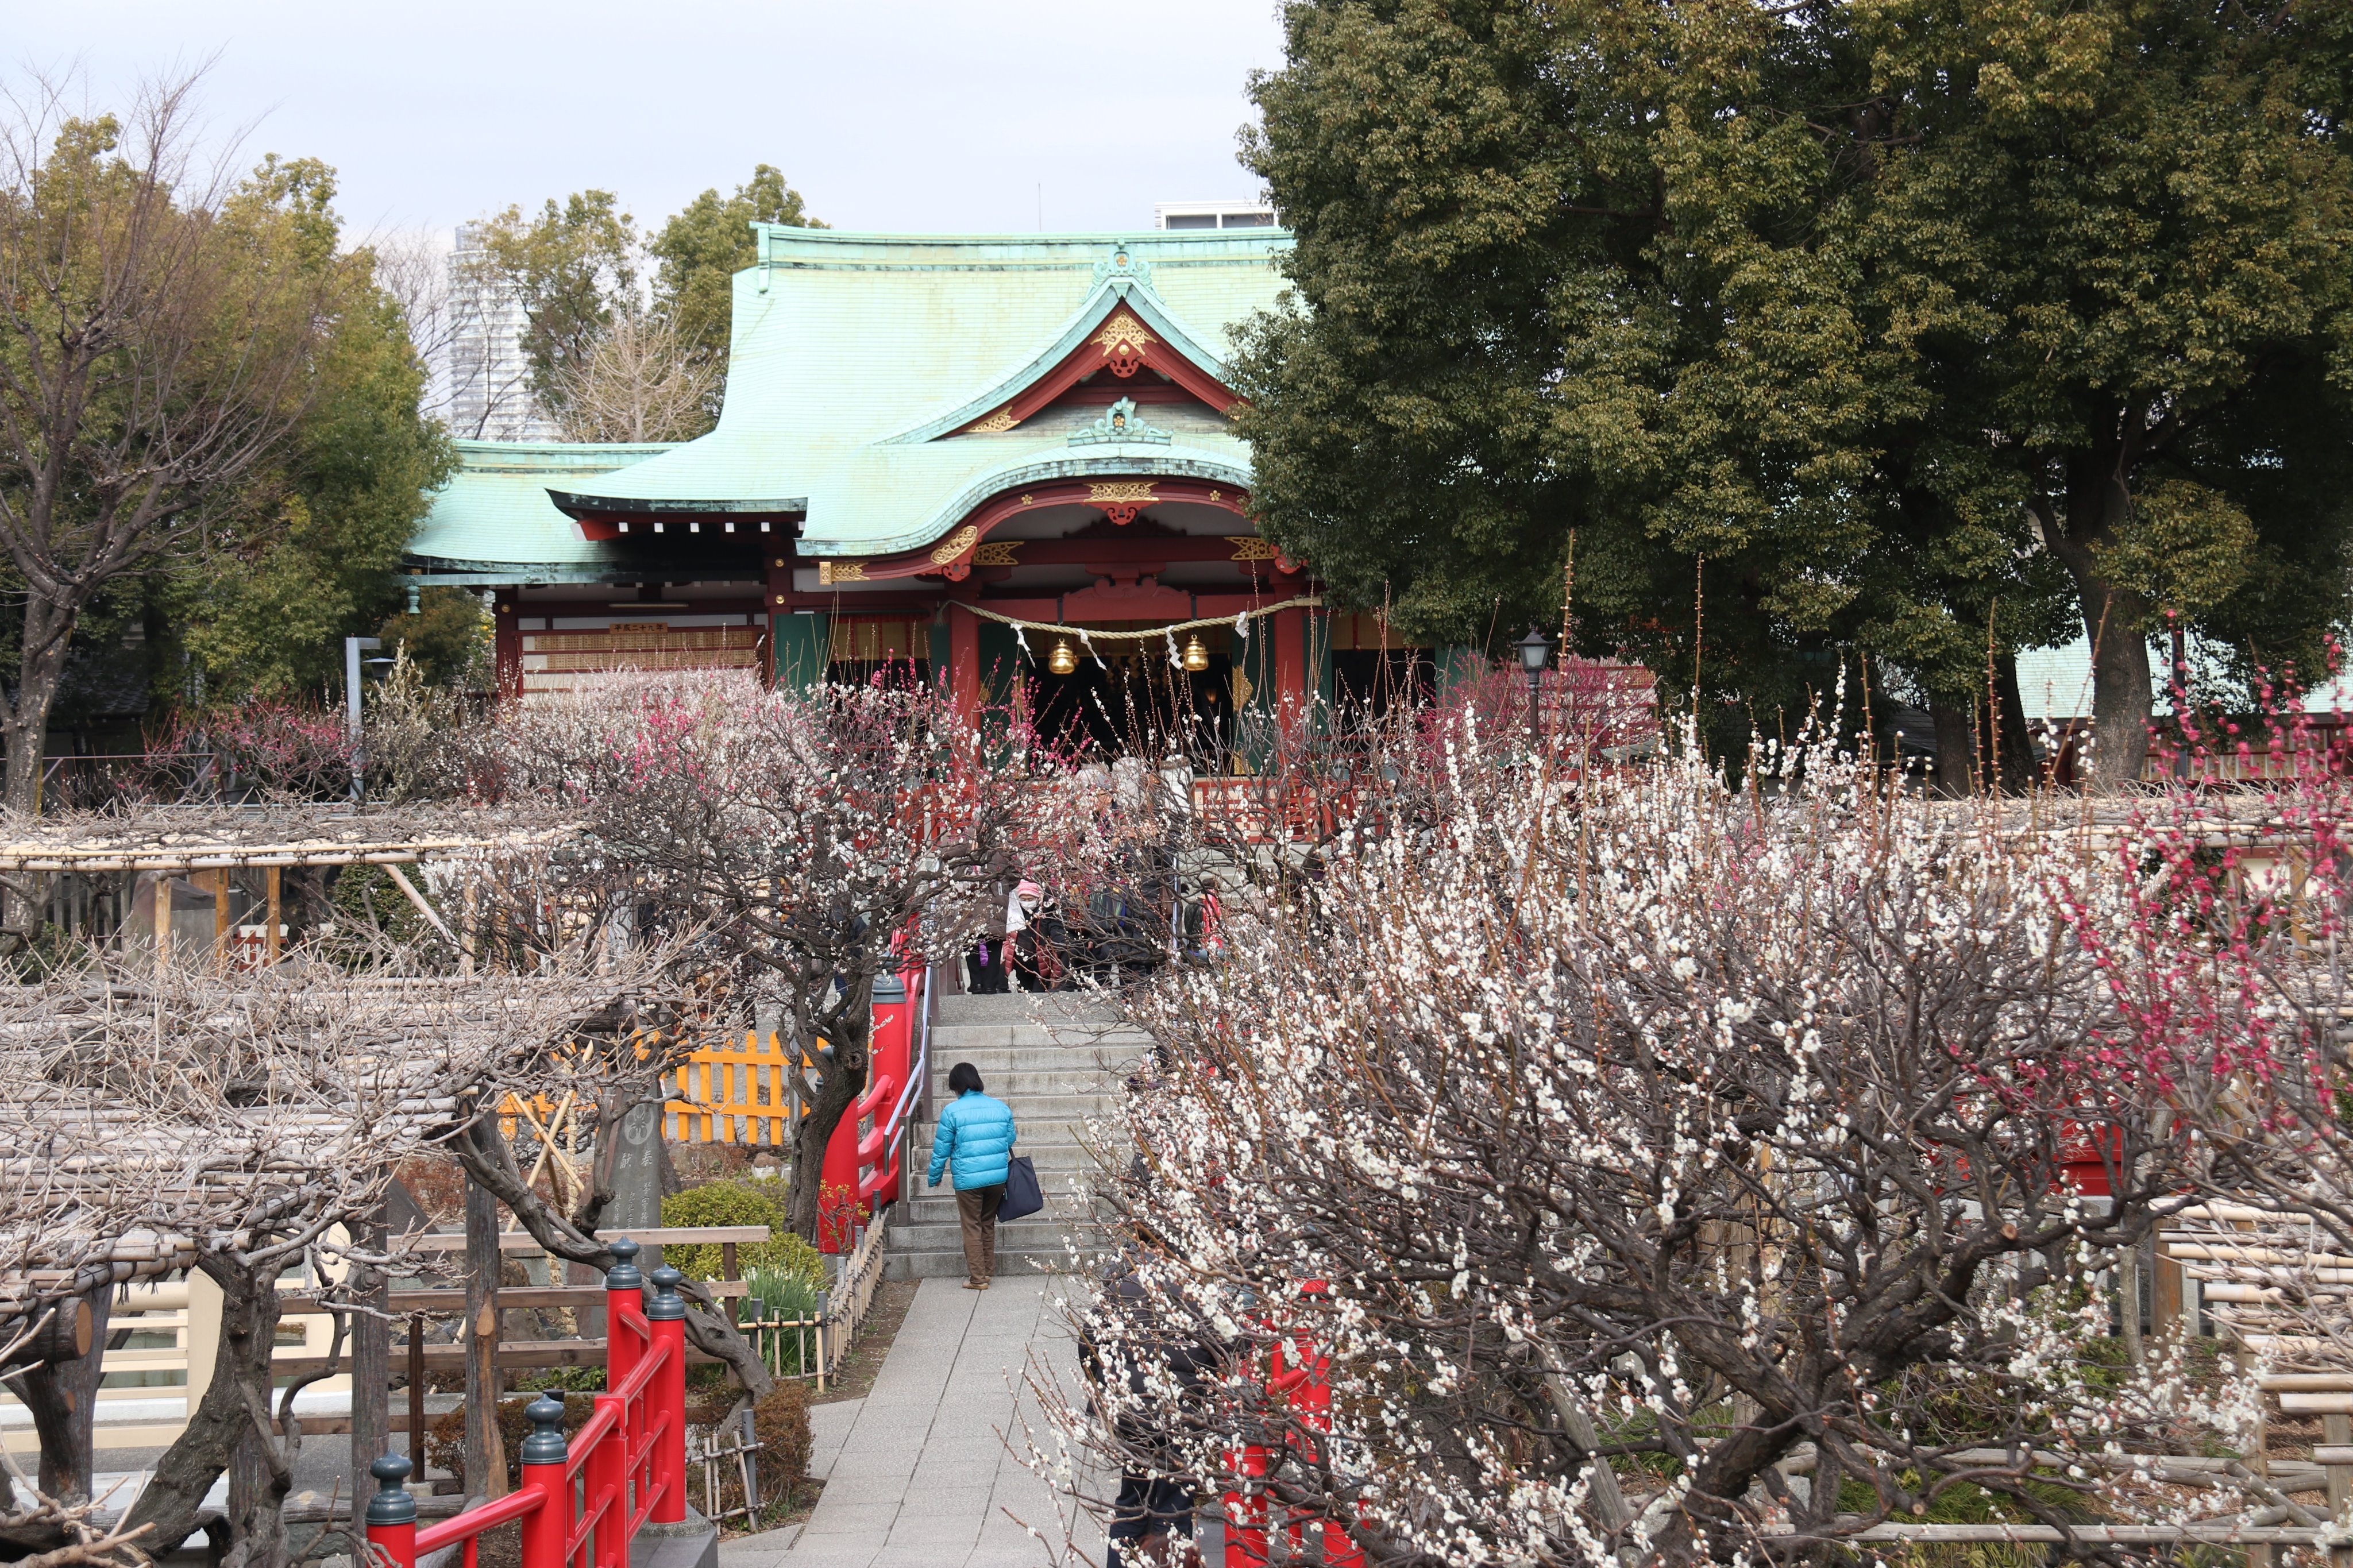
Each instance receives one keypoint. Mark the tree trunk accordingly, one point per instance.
(61, 1393)
(490, 1163)
(2016, 760)
(844, 1081)
(240, 1386)
(1956, 770)
(2115, 618)
(47, 629)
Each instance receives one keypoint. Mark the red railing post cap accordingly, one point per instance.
(545, 1444)
(623, 1275)
(392, 1504)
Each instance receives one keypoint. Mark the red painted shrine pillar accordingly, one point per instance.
(963, 663)
(1291, 667)
(507, 645)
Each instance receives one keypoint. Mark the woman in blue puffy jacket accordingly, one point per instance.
(976, 1134)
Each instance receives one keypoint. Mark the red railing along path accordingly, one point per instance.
(581, 1503)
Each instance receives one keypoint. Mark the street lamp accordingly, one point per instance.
(1534, 653)
(353, 648)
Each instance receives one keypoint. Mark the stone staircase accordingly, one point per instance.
(1058, 1062)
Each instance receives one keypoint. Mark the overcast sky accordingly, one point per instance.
(907, 115)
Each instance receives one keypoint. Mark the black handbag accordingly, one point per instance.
(1022, 1197)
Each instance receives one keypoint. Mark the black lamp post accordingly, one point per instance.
(1534, 653)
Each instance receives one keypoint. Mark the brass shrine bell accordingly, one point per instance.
(1062, 661)
(1197, 658)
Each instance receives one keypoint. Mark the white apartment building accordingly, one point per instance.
(488, 377)
(1213, 215)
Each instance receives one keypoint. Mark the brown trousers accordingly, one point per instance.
(977, 1207)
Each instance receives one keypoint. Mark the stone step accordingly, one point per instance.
(997, 1066)
(1046, 1108)
(1022, 1084)
(983, 1053)
(938, 1205)
(1069, 1153)
(1021, 1007)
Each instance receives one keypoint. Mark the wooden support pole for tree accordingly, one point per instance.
(371, 1362)
(2339, 1430)
(163, 920)
(417, 1394)
(486, 1461)
(220, 917)
(269, 932)
(61, 1393)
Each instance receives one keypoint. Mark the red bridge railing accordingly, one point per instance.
(582, 1503)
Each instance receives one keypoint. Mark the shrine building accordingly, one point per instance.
(978, 457)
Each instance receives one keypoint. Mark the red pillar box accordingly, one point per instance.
(853, 1155)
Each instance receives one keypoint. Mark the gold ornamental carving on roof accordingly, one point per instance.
(957, 544)
(1120, 491)
(1250, 547)
(831, 571)
(1123, 341)
(997, 554)
(993, 424)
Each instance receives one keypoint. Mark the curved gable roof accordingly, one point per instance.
(855, 356)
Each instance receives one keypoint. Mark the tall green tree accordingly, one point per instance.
(160, 333)
(700, 250)
(1899, 325)
(266, 616)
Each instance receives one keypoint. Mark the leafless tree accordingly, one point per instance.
(639, 384)
(240, 1126)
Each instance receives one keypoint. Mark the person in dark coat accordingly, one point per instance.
(1153, 1510)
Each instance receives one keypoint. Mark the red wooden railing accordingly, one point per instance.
(583, 1502)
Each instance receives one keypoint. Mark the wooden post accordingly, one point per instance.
(269, 932)
(371, 1362)
(467, 931)
(2164, 1297)
(163, 919)
(963, 663)
(729, 1269)
(486, 1459)
(2339, 1430)
(416, 1392)
(220, 917)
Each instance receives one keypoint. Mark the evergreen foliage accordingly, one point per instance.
(1924, 327)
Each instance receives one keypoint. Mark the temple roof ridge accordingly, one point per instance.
(1119, 280)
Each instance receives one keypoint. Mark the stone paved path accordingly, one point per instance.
(919, 1472)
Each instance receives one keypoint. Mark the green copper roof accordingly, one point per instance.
(495, 509)
(856, 357)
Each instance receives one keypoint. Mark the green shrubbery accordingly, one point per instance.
(740, 1202)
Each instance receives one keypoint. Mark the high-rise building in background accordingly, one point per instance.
(488, 375)
(1213, 215)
